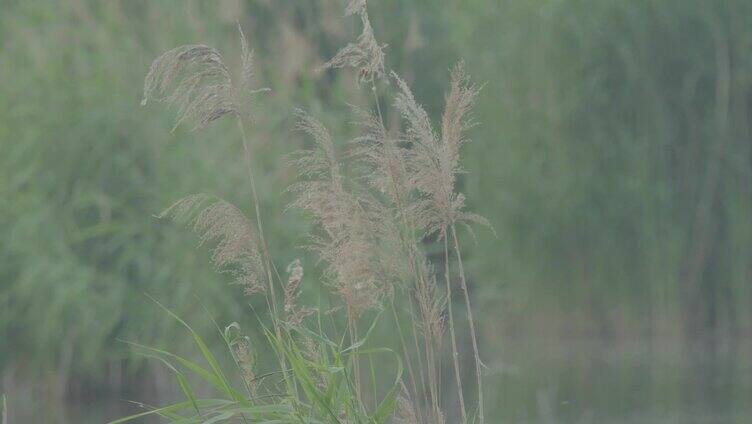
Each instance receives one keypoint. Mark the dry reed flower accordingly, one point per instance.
(382, 157)
(194, 79)
(347, 220)
(434, 161)
(294, 312)
(365, 55)
(215, 220)
(405, 411)
(205, 92)
(433, 164)
(241, 351)
(432, 305)
(355, 7)
(245, 361)
(246, 60)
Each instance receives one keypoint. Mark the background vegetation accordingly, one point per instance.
(614, 160)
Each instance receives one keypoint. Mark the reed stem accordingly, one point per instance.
(476, 353)
(455, 354)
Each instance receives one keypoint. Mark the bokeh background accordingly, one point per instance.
(614, 160)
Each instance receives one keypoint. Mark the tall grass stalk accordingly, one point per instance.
(452, 336)
(471, 321)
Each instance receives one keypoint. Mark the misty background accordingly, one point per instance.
(613, 158)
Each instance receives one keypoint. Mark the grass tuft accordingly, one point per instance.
(372, 205)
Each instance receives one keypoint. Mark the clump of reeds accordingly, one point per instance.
(373, 204)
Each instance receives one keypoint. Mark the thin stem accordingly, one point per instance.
(413, 268)
(254, 196)
(353, 329)
(432, 381)
(424, 299)
(378, 104)
(404, 349)
(455, 355)
(373, 382)
(419, 355)
(476, 354)
(268, 264)
(257, 211)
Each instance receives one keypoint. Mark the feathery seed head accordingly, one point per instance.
(405, 413)
(433, 161)
(295, 313)
(365, 55)
(195, 80)
(200, 84)
(216, 221)
(347, 220)
(430, 303)
(355, 7)
(241, 352)
(383, 158)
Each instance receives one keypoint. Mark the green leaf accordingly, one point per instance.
(208, 356)
(362, 341)
(158, 411)
(386, 408)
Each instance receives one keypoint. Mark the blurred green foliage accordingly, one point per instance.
(83, 170)
(615, 155)
(613, 158)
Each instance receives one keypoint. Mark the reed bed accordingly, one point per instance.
(374, 204)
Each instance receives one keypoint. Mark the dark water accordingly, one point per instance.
(557, 381)
(587, 381)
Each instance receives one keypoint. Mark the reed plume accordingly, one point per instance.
(379, 162)
(347, 222)
(240, 348)
(434, 160)
(365, 55)
(434, 163)
(294, 313)
(195, 79)
(405, 413)
(382, 158)
(236, 248)
(355, 7)
(204, 92)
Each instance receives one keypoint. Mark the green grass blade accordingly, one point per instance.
(386, 408)
(308, 333)
(363, 340)
(170, 408)
(208, 356)
(182, 382)
(200, 371)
